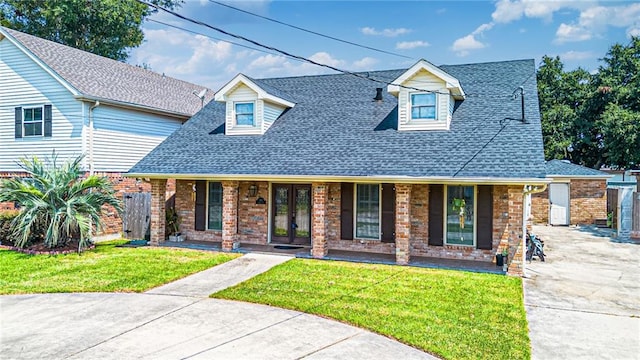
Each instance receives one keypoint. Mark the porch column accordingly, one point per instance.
(516, 229)
(403, 223)
(229, 215)
(158, 194)
(319, 223)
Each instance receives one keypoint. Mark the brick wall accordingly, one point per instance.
(157, 223)
(540, 207)
(319, 221)
(588, 200)
(419, 219)
(253, 219)
(185, 203)
(403, 222)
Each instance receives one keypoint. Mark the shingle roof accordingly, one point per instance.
(566, 168)
(336, 129)
(103, 78)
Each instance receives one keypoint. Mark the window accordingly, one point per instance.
(214, 206)
(244, 114)
(460, 215)
(32, 122)
(368, 211)
(423, 106)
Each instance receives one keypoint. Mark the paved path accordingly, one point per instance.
(584, 301)
(222, 276)
(165, 324)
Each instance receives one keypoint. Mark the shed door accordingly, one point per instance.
(559, 204)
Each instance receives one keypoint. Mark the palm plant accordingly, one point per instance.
(59, 199)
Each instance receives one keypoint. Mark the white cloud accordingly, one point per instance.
(276, 65)
(511, 10)
(385, 32)
(633, 31)
(441, 11)
(365, 63)
(577, 55)
(463, 45)
(593, 21)
(407, 45)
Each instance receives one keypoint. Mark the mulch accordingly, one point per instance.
(40, 249)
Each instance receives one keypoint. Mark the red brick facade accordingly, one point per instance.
(412, 222)
(587, 198)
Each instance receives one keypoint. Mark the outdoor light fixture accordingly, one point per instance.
(260, 201)
(253, 190)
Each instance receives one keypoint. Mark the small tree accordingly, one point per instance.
(60, 198)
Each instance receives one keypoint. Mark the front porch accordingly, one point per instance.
(325, 220)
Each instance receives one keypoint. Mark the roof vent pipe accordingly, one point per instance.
(378, 94)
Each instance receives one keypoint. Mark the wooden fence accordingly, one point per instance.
(612, 206)
(635, 227)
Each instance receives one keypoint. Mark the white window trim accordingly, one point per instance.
(24, 133)
(235, 117)
(475, 215)
(207, 205)
(355, 212)
(410, 114)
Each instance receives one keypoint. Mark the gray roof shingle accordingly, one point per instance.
(566, 168)
(336, 129)
(103, 78)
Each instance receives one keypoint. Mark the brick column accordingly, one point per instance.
(403, 223)
(514, 235)
(158, 193)
(229, 215)
(319, 224)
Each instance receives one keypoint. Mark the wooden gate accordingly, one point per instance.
(635, 227)
(137, 215)
(612, 206)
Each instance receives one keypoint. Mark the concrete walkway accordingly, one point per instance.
(179, 321)
(222, 276)
(584, 301)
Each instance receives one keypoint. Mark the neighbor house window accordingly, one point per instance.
(460, 217)
(423, 106)
(368, 211)
(32, 122)
(244, 114)
(214, 206)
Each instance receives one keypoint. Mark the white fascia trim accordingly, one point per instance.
(131, 106)
(221, 95)
(451, 82)
(358, 179)
(40, 63)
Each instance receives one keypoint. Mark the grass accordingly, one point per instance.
(451, 314)
(107, 268)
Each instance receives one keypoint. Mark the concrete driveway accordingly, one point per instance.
(179, 321)
(584, 301)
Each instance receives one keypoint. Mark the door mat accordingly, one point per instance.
(287, 247)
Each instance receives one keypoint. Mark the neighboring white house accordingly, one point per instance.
(54, 97)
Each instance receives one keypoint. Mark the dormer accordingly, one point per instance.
(426, 97)
(251, 106)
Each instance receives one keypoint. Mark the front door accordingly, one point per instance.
(559, 204)
(291, 214)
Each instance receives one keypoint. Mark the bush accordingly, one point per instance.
(5, 229)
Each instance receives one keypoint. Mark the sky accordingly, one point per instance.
(442, 32)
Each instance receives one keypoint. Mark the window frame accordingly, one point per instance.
(445, 215)
(24, 121)
(253, 113)
(207, 227)
(355, 213)
(435, 106)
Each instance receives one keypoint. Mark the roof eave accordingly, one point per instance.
(127, 105)
(593, 177)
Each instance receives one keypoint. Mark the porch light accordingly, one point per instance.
(260, 201)
(253, 190)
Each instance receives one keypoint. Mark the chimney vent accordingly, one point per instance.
(378, 94)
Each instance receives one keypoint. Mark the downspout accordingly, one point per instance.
(91, 170)
(527, 191)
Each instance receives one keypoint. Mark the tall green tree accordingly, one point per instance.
(105, 27)
(593, 120)
(58, 198)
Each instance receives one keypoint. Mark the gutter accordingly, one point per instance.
(133, 106)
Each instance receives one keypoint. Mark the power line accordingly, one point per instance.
(309, 31)
(285, 53)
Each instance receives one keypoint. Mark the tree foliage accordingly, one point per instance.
(58, 198)
(593, 119)
(104, 27)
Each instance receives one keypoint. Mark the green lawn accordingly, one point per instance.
(451, 314)
(105, 269)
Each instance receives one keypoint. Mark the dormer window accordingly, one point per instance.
(423, 106)
(245, 114)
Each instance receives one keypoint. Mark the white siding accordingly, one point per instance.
(243, 93)
(424, 80)
(271, 114)
(25, 83)
(122, 137)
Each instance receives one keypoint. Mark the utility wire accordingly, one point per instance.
(301, 58)
(309, 31)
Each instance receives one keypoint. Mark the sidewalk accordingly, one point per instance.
(222, 276)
